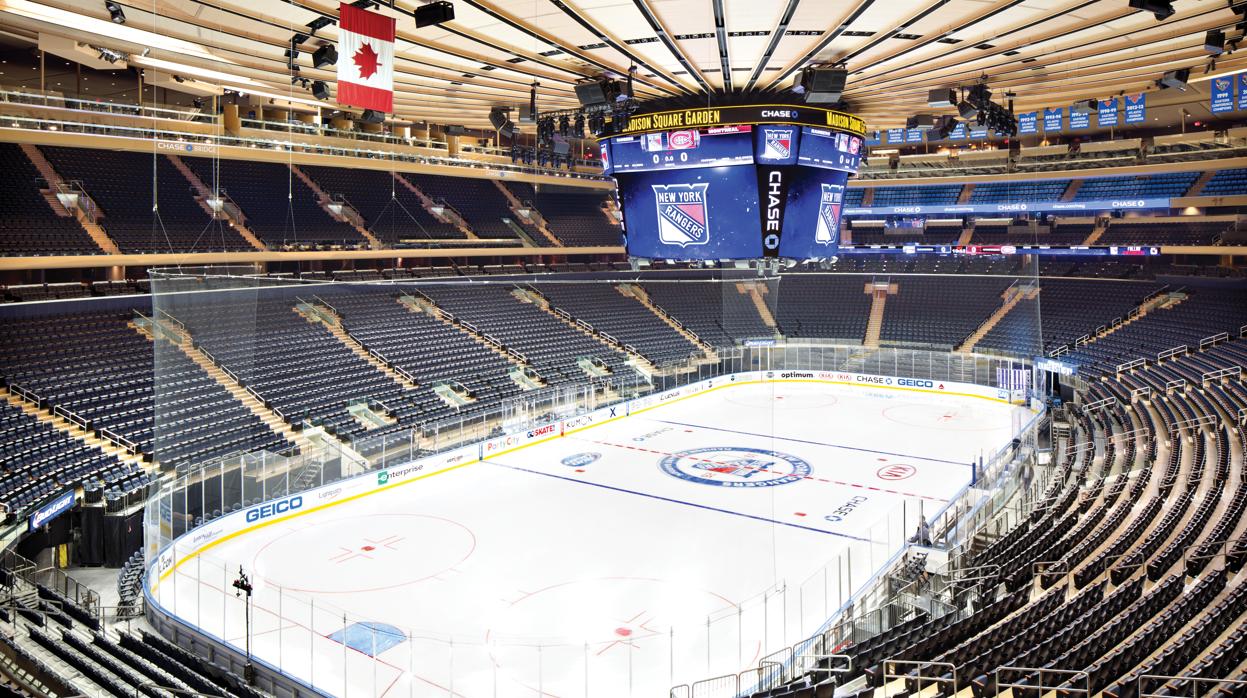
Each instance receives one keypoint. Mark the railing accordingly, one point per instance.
(1235, 372)
(1019, 688)
(71, 417)
(1130, 366)
(282, 141)
(1172, 353)
(1098, 405)
(1209, 550)
(26, 395)
(890, 666)
(1213, 340)
(1200, 686)
(119, 440)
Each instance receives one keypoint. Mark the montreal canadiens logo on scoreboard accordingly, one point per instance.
(778, 145)
(682, 213)
(827, 231)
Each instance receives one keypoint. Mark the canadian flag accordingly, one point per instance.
(365, 59)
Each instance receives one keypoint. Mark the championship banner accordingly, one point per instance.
(1242, 91)
(1079, 119)
(1106, 113)
(1221, 98)
(365, 59)
(958, 133)
(1136, 108)
(896, 135)
(978, 133)
(913, 135)
(1028, 123)
(1052, 119)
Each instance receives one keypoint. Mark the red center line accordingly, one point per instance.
(746, 467)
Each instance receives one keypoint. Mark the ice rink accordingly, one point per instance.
(661, 548)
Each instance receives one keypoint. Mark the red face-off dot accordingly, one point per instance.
(368, 548)
(623, 632)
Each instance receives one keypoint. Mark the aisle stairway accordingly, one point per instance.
(1012, 296)
(879, 292)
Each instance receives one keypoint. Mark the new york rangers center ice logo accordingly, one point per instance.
(778, 145)
(682, 213)
(735, 467)
(827, 231)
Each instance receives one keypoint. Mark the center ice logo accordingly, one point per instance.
(735, 467)
(682, 213)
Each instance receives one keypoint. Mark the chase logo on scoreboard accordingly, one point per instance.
(778, 145)
(682, 213)
(827, 231)
(735, 467)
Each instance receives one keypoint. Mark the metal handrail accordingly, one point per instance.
(1042, 671)
(1195, 681)
(889, 666)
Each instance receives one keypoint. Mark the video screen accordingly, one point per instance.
(829, 149)
(686, 149)
(704, 213)
(812, 216)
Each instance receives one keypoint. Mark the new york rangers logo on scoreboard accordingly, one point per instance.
(682, 213)
(778, 145)
(828, 230)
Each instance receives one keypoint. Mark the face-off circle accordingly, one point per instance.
(331, 558)
(952, 417)
(735, 467)
(896, 471)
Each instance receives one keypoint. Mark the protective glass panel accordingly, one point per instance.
(705, 480)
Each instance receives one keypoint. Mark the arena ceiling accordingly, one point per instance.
(1047, 52)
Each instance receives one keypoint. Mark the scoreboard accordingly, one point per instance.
(735, 191)
(674, 150)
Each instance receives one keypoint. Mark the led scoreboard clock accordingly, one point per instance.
(736, 182)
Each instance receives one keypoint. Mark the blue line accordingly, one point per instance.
(814, 443)
(674, 501)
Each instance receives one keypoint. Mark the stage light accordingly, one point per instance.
(1160, 9)
(966, 110)
(319, 23)
(1175, 79)
(1214, 42)
(115, 13)
(923, 122)
(565, 126)
(320, 90)
(500, 119)
(325, 56)
(372, 116)
(944, 127)
(941, 98)
(823, 84)
(602, 90)
(579, 126)
(433, 13)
